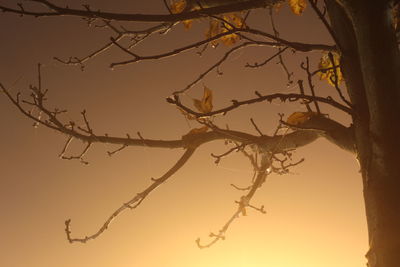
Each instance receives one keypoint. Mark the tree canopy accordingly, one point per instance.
(321, 76)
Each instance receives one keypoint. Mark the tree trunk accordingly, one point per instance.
(380, 68)
(370, 65)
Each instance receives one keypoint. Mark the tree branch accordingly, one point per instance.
(292, 140)
(277, 42)
(205, 12)
(242, 204)
(322, 126)
(138, 36)
(321, 16)
(218, 63)
(282, 97)
(134, 202)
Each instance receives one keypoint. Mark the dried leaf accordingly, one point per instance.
(230, 39)
(178, 7)
(207, 100)
(297, 6)
(327, 73)
(188, 24)
(298, 118)
(213, 29)
(197, 104)
(205, 104)
(233, 20)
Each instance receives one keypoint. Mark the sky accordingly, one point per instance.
(315, 215)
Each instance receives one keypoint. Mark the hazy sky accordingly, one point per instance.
(315, 217)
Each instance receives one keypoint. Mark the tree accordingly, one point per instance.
(365, 53)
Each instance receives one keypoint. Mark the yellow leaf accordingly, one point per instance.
(298, 118)
(326, 73)
(207, 100)
(197, 104)
(297, 6)
(187, 23)
(230, 39)
(213, 29)
(205, 104)
(233, 20)
(178, 7)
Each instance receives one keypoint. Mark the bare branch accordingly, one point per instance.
(321, 16)
(65, 147)
(260, 98)
(88, 136)
(80, 156)
(283, 166)
(281, 61)
(278, 42)
(219, 157)
(88, 129)
(137, 58)
(61, 11)
(256, 127)
(80, 61)
(111, 153)
(333, 131)
(257, 65)
(301, 87)
(137, 36)
(306, 68)
(266, 153)
(218, 63)
(242, 204)
(241, 188)
(302, 47)
(54, 123)
(132, 203)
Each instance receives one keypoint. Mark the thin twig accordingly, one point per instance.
(243, 203)
(301, 87)
(256, 127)
(306, 68)
(321, 16)
(280, 57)
(214, 66)
(257, 65)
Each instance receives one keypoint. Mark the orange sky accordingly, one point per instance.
(315, 217)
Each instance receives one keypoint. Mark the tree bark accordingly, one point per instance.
(370, 62)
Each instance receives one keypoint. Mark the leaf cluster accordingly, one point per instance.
(330, 68)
